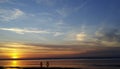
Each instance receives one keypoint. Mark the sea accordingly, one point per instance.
(73, 63)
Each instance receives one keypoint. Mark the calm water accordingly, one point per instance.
(76, 63)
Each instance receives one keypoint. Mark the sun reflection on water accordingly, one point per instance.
(14, 63)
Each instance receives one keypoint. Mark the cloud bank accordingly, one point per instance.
(22, 31)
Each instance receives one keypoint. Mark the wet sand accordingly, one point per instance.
(36, 68)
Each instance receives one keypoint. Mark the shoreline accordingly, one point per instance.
(1, 67)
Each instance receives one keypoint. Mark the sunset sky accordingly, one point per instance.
(59, 28)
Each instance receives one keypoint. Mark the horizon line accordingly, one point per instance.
(59, 58)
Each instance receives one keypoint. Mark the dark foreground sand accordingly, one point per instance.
(36, 68)
(49, 68)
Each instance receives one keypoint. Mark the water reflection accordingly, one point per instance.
(75, 63)
(14, 63)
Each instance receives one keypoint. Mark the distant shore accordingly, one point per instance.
(60, 58)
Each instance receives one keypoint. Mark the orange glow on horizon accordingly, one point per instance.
(19, 51)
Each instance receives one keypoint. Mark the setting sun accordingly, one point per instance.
(15, 54)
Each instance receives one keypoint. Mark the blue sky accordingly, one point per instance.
(89, 23)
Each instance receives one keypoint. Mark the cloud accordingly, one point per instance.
(58, 33)
(67, 10)
(81, 36)
(11, 46)
(64, 50)
(32, 31)
(36, 50)
(108, 36)
(8, 15)
(22, 31)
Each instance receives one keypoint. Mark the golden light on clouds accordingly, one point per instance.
(14, 44)
(20, 50)
(81, 36)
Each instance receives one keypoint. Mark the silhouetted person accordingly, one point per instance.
(47, 64)
(41, 64)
